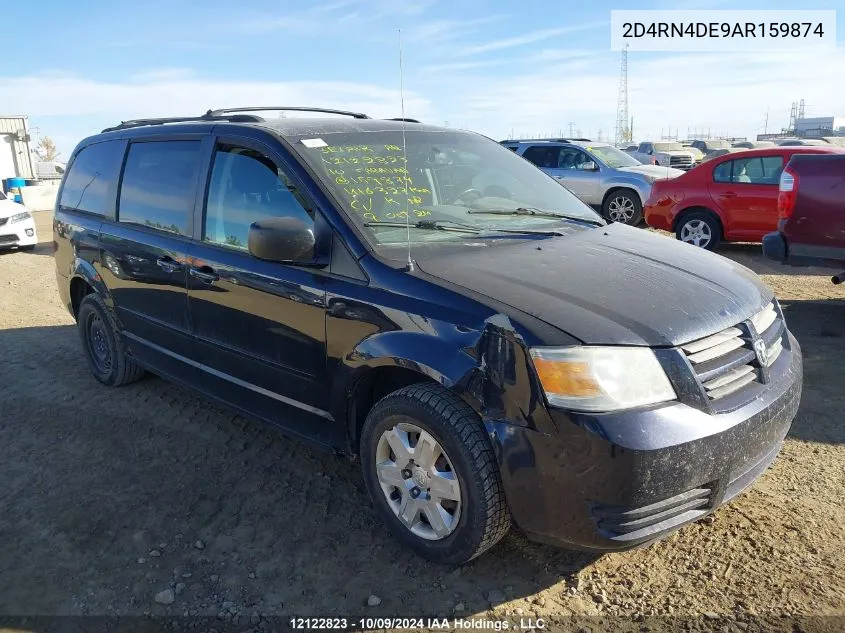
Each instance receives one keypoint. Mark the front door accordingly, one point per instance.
(259, 326)
(143, 253)
(572, 172)
(746, 190)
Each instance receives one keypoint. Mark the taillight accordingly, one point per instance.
(787, 193)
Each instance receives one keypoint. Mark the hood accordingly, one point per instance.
(612, 285)
(675, 152)
(656, 171)
(10, 207)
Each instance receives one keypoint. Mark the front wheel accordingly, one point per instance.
(432, 474)
(624, 207)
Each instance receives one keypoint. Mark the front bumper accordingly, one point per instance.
(18, 234)
(617, 481)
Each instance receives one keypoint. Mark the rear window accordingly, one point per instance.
(94, 169)
(159, 184)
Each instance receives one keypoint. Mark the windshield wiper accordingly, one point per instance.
(535, 211)
(429, 225)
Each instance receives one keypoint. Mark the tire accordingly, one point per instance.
(479, 519)
(623, 206)
(699, 228)
(103, 346)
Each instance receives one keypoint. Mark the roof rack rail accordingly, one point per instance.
(547, 140)
(406, 120)
(229, 115)
(357, 115)
(241, 118)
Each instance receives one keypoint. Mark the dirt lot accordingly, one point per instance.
(111, 496)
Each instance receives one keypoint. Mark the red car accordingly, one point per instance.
(732, 198)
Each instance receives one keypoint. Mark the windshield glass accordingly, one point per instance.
(450, 178)
(668, 147)
(613, 157)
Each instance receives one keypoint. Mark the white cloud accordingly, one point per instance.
(529, 38)
(720, 92)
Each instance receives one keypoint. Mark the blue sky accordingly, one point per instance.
(497, 67)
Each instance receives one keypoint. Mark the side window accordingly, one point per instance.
(93, 170)
(571, 158)
(158, 185)
(758, 170)
(246, 187)
(543, 156)
(722, 173)
(645, 148)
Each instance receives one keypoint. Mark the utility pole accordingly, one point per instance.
(623, 133)
(571, 129)
(766, 124)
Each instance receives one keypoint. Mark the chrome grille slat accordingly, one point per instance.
(736, 385)
(717, 350)
(725, 362)
(734, 374)
(710, 341)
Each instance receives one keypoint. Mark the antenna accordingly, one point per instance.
(405, 152)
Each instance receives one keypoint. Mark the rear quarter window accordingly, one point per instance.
(92, 172)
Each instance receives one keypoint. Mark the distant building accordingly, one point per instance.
(15, 157)
(820, 126)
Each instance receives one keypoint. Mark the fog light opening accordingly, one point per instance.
(30, 232)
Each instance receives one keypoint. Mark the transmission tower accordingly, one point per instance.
(623, 132)
(801, 109)
(793, 114)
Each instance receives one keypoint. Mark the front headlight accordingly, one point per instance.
(20, 217)
(601, 378)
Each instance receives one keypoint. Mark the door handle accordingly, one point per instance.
(728, 194)
(168, 264)
(205, 274)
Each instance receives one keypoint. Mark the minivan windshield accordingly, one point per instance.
(613, 157)
(453, 186)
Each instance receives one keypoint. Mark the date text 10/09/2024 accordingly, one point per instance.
(437, 624)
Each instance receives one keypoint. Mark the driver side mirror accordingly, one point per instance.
(588, 166)
(289, 240)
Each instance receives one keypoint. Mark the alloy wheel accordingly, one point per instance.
(621, 209)
(418, 481)
(696, 232)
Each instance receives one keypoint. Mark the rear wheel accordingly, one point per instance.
(623, 206)
(103, 346)
(699, 228)
(432, 475)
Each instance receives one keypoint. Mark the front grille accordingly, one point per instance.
(3, 221)
(8, 239)
(680, 162)
(726, 362)
(631, 524)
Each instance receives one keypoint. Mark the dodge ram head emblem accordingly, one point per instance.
(761, 351)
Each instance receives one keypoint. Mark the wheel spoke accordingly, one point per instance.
(410, 510)
(436, 519)
(398, 441)
(389, 473)
(426, 451)
(444, 487)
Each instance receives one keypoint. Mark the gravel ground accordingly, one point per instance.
(149, 500)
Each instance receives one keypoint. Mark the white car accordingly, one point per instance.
(17, 228)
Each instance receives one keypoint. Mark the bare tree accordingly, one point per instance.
(45, 150)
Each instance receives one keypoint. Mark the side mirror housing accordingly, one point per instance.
(588, 166)
(289, 240)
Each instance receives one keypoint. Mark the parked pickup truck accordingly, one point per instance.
(811, 212)
(666, 154)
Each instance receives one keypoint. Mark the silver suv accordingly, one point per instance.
(599, 174)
